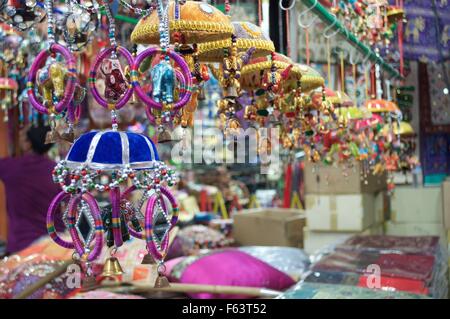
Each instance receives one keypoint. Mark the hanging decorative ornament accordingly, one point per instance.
(56, 81)
(381, 106)
(106, 161)
(165, 77)
(310, 78)
(189, 22)
(247, 35)
(8, 95)
(232, 65)
(21, 15)
(79, 24)
(117, 90)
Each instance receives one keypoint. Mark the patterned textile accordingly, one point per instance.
(420, 39)
(308, 290)
(434, 123)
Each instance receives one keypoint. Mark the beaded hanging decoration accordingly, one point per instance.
(106, 162)
(161, 104)
(117, 89)
(79, 24)
(22, 16)
(56, 81)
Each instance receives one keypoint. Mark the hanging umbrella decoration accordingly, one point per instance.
(248, 41)
(123, 159)
(232, 54)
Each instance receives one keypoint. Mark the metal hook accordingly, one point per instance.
(280, 3)
(351, 57)
(299, 20)
(328, 36)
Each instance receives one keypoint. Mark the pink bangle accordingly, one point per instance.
(185, 72)
(54, 207)
(151, 205)
(92, 78)
(73, 204)
(70, 84)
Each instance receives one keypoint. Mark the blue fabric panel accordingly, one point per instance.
(155, 150)
(80, 148)
(139, 151)
(109, 149)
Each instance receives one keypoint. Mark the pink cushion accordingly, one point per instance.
(233, 268)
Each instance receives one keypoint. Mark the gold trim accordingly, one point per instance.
(207, 51)
(256, 67)
(310, 82)
(253, 33)
(149, 33)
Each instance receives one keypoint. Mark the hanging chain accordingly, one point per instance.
(50, 22)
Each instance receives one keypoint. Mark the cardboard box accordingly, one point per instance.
(323, 179)
(269, 227)
(446, 203)
(416, 229)
(317, 240)
(417, 205)
(345, 213)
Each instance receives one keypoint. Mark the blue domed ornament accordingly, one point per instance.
(118, 163)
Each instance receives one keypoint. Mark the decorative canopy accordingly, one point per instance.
(405, 129)
(247, 35)
(252, 74)
(311, 79)
(381, 106)
(108, 150)
(199, 22)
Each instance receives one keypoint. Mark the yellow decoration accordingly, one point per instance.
(199, 22)
(219, 203)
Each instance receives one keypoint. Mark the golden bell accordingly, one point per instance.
(112, 268)
(164, 137)
(231, 92)
(148, 260)
(162, 282)
(68, 136)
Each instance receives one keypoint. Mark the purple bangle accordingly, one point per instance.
(93, 72)
(186, 81)
(114, 196)
(158, 254)
(53, 208)
(39, 61)
(73, 204)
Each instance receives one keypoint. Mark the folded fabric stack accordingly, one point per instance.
(311, 290)
(414, 265)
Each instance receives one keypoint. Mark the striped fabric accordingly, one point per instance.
(112, 150)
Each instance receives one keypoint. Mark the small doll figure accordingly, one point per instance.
(115, 81)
